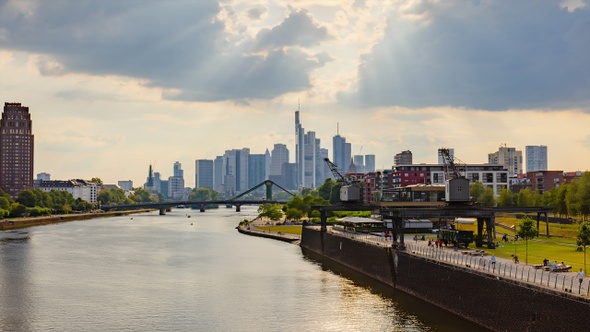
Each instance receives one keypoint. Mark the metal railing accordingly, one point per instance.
(521, 272)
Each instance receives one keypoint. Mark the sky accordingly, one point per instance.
(114, 86)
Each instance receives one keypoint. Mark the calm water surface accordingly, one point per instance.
(161, 273)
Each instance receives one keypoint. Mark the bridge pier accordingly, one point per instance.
(238, 207)
(202, 208)
(169, 209)
(163, 212)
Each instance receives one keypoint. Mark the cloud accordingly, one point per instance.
(256, 13)
(298, 28)
(176, 46)
(489, 55)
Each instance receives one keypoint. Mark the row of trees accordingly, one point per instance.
(570, 199)
(35, 202)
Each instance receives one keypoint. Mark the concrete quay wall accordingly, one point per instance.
(496, 303)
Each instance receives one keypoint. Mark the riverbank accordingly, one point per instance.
(254, 231)
(17, 223)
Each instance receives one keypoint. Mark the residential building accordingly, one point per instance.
(493, 176)
(510, 158)
(536, 158)
(16, 149)
(85, 190)
(403, 158)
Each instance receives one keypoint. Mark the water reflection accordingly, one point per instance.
(14, 281)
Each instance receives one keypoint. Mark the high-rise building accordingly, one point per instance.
(256, 170)
(536, 158)
(176, 182)
(126, 185)
(44, 176)
(510, 158)
(341, 153)
(235, 171)
(279, 156)
(369, 163)
(310, 157)
(218, 174)
(204, 173)
(299, 149)
(359, 162)
(16, 146)
(403, 158)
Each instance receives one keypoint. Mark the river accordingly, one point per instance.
(148, 272)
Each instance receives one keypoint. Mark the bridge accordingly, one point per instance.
(234, 201)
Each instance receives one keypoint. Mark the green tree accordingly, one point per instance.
(486, 198)
(294, 214)
(4, 203)
(141, 195)
(325, 189)
(525, 197)
(112, 196)
(27, 198)
(527, 231)
(476, 188)
(271, 211)
(584, 194)
(98, 181)
(583, 238)
(203, 194)
(506, 198)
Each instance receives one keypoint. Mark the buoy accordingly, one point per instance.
(191, 223)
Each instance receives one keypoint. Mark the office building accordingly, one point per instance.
(536, 158)
(204, 173)
(279, 156)
(341, 153)
(369, 163)
(126, 185)
(256, 170)
(17, 147)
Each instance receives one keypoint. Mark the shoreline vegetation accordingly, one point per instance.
(17, 223)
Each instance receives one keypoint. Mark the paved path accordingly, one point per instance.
(566, 282)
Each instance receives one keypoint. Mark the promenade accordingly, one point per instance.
(563, 282)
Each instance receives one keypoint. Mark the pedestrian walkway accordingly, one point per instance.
(566, 282)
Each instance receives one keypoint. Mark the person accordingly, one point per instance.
(545, 262)
(581, 276)
(554, 265)
(493, 261)
(515, 259)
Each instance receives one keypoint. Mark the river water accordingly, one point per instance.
(178, 273)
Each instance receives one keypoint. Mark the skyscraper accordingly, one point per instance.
(299, 149)
(341, 153)
(16, 146)
(279, 156)
(204, 173)
(536, 158)
(369, 163)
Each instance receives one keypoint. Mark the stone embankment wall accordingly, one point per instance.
(16, 223)
(496, 303)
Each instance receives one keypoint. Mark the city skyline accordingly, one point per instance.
(113, 87)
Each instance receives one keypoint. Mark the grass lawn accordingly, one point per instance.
(287, 229)
(560, 246)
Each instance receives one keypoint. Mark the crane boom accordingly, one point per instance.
(334, 168)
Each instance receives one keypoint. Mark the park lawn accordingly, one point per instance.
(287, 229)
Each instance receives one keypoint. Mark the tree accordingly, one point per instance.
(97, 180)
(475, 190)
(486, 198)
(527, 230)
(583, 238)
(112, 196)
(294, 214)
(203, 194)
(140, 195)
(506, 198)
(271, 211)
(525, 197)
(325, 190)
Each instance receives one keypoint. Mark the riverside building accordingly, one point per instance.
(16, 146)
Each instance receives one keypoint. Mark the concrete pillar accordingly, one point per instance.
(162, 212)
(202, 209)
(169, 209)
(238, 207)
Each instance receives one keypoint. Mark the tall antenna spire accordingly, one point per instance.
(337, 128)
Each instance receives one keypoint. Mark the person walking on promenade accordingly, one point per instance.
(493, 261)
(580, 278)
